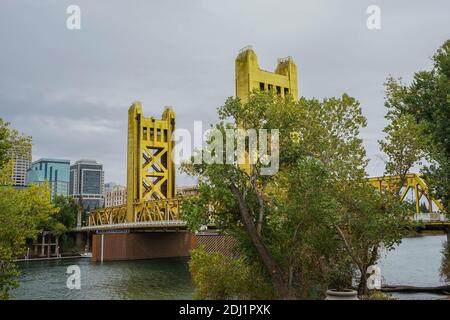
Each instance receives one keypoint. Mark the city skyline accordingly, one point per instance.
(80, 104)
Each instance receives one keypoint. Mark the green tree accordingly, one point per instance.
(445, 264)
(369, 220)
(320, 143)
(300, 230)
(68, 210)
(64, 220)
(23, 212)
(427, 100)
(5, 143)
(404, 145)
(11, 141)
(220, 277)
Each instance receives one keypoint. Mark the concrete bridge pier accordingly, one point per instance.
(140, 245)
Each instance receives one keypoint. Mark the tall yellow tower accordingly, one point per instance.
(150, 169)
(250, 76)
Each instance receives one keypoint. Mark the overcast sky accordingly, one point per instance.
(70, 89)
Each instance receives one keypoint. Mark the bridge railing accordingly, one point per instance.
(430, 217)
(158, 210)
(145, 212)
(411, 181)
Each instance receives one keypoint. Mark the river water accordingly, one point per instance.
(415, 262)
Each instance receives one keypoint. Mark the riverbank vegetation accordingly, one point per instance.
(419, 124)
(312, 225)
(419, 129)
(24, 212)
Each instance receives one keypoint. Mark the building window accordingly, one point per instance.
(278, 90)
(152, 134)
(261, 86)
(144, 133)
(269, 87)
(286, 91)
(158, 135)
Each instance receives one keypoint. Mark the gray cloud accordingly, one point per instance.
(71, 90)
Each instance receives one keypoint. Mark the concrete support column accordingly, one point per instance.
(79, 218)
(88, 240)
(79, 240)
(43, 244)
(57, 246)
(49, 248)
(133, 246)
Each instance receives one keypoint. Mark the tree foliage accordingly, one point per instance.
(370, 220)
(427, 101)
(68, 209)
(219, 277)
(445, 264)
(24, 212)
(404, 146)
(287, 223)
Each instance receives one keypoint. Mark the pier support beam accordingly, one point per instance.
(140, 245)
(43, 245)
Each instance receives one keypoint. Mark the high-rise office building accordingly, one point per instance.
(86, 183)
(21, 156)
(53, 171)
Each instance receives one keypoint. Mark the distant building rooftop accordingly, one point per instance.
(52, 160)
(86, 161)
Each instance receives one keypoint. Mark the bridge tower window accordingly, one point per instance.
(158, 135)
(152, 134)
(144, 133)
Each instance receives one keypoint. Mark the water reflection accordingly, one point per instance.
(416, 261)
(142, 279)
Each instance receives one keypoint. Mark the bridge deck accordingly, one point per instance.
(136, 225)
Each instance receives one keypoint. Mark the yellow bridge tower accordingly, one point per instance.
(250, 76)
(150, 169)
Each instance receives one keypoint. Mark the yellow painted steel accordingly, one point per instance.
(150, 169)
(158, 210)
(250, 76)
(413, 181)
(150, 173)
(165, 210)
(110, 215)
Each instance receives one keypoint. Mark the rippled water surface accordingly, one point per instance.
(141, 279)
(416, 261)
